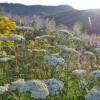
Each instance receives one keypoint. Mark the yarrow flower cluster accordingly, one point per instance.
(12, 37)
(53, 60)
(45, 36)
(24, 28)
(38, 88)
(7, 58)
(39, 50)
(16, 37)
(4, 59)
(19, 85)
(79, 73)
(94, 94)
(54, 85)
(66, 49)
(4, 89)
(96, 73)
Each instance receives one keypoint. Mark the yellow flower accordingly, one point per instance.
(6, 24)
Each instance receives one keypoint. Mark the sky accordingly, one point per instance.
(77, 4)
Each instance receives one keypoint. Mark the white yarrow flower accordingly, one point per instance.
(96, 73)
(4, 59)
(38, 89)
(53, 60)
(45, 36)
(3, 89)
(19, 85)
(16, 37)
(94, 94)
(66, 49)
(79, 73)
(7, 58)
(12, 37)
(54, 86)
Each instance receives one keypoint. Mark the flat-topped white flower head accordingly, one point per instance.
(6, 58)
(12, 37)
(38, 89)
(79, 73)
(16, 37)
(45, 36)
(53, 60)
(56, 61)
(24, 28)
(66, 49)
(94, 94)
(3, 89)
(96, 73)
(3, 53)
(19, 85)
(54, 86)
(39, 50)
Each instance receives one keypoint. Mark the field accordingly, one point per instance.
(42, 61)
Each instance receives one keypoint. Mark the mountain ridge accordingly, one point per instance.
(63, 14)
(21, 9)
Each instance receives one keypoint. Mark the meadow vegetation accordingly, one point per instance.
(47, 62)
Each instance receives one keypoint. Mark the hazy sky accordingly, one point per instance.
(78, 4)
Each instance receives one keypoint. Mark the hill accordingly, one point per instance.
(33, 9)
(63, 14)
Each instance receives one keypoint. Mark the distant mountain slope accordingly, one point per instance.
(34, 9)
(70, 18)
(63, 14)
